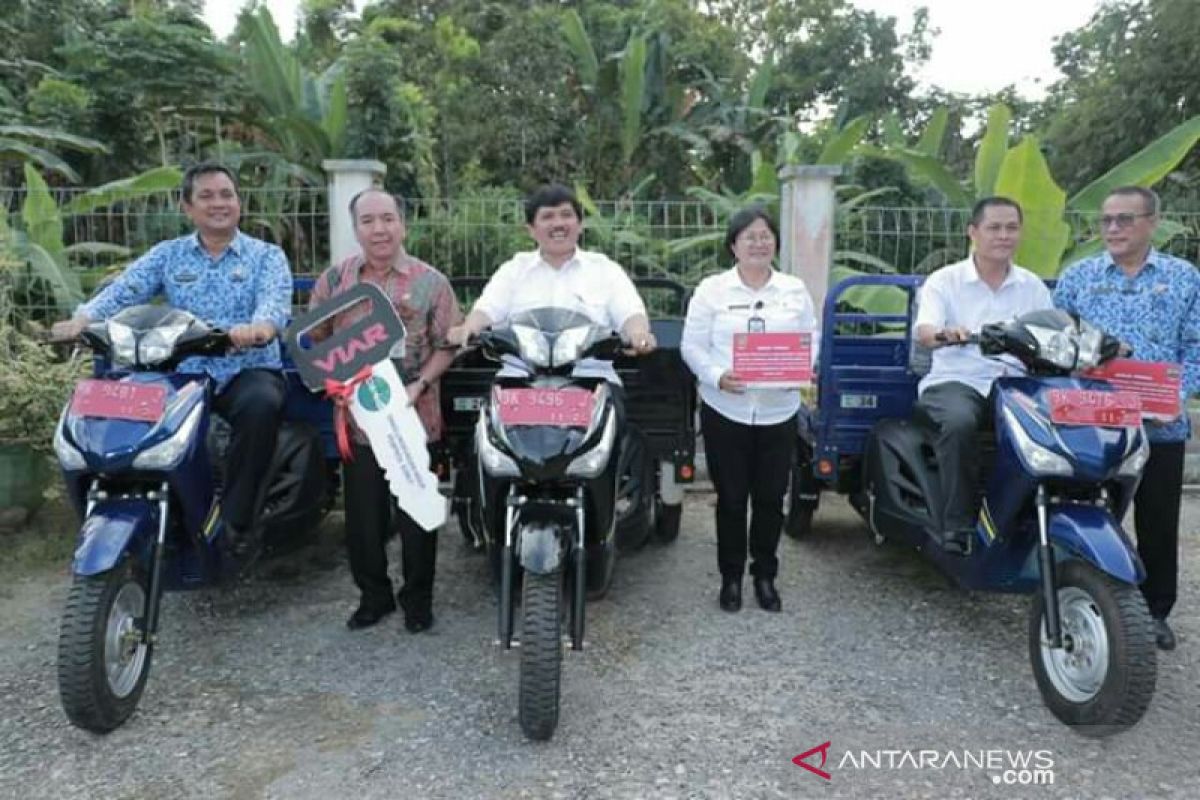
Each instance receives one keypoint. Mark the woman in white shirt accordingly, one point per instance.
(749, 433)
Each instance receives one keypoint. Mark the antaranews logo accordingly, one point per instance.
(1007, 767)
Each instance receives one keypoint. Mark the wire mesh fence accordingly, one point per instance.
(920, 240)
(471, 236)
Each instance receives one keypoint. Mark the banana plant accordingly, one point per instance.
(1020, 172)
(304, 114)
(31, 144)
(40, 240)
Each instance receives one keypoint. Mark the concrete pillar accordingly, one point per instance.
(344, 180)
(806, 216)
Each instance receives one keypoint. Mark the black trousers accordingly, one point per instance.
(370, 511)
(252, 404)
(1156, 521)
(957, 413)
(748, 463)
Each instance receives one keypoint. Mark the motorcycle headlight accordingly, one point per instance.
(158, 345)
(593, 462)
(167, 453)
(68, 456)
(534, 348)
(1040, 460)
(495, 461)
(1090, 339)
(124, 343)
(1054, 346)
(1132, 466)
(569, 344)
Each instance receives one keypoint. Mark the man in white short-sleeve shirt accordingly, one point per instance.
(560, 274)
(956, 302)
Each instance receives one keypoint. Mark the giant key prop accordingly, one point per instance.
(354, 368)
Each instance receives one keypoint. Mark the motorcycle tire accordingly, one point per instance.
(1102, 680)
(541, 654)
(667, 522)
(102, 664)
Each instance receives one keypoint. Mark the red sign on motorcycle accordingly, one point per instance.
(119, 400)
(565, 408)
(1087, 407)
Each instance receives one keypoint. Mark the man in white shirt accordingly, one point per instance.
(956, 302)
(560, 274)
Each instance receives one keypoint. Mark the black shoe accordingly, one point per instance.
(365, 616)
(731, 595)
(241, 547)
(1164, 637)
(958, 541)
(768, 598)
(415, 623)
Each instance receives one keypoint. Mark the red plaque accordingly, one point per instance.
(773, 360)
(1157, 383)
(119, 400)
(565, 408)
(1088, 407)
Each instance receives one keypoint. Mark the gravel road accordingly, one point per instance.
(260, 691)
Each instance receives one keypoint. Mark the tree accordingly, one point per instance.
(1132, 74)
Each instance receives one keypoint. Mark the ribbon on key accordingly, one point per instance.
(340, 393)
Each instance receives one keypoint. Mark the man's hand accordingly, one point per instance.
(731, 383)
(952, 335)
(68, 330)
(642, 343)
(253, 335)
(415, 390)
(458, 335)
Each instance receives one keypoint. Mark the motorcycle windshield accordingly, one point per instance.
(554, 337)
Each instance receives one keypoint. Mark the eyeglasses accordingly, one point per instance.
(756, 238)
(1122, 221)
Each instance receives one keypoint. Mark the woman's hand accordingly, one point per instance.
(731, 383)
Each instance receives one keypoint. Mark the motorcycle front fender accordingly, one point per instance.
(1092, 534)
(113, 529)
(540, 547)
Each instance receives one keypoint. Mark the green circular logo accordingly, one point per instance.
(374, 394)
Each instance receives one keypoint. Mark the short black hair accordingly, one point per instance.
(550, 195)
(744, 219)
(397, 199)
(995, 201)
(1150, 200)
(188, 185)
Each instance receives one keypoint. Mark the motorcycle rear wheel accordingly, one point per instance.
(102, 662)
(541, 654)
(1102, 679)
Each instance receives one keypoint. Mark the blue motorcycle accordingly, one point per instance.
(140, 454)
(1058, 478)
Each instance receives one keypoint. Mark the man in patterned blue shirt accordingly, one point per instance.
(231, 281)
(1150, 301)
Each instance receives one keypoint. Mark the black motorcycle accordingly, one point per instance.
(547, 445)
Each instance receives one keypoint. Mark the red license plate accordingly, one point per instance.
(1085, 407)
(566, 408)
(119, 400)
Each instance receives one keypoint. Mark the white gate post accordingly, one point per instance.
(807, 210)
(346, 178)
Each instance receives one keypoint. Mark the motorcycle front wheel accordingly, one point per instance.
(1101, 680)
(541, 654)
(102, 661)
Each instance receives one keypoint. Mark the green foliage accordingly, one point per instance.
(56, 103)
(1132, 74)
(33, 383)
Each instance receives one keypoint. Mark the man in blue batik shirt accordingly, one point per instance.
(231, 281)
(1151, 301)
